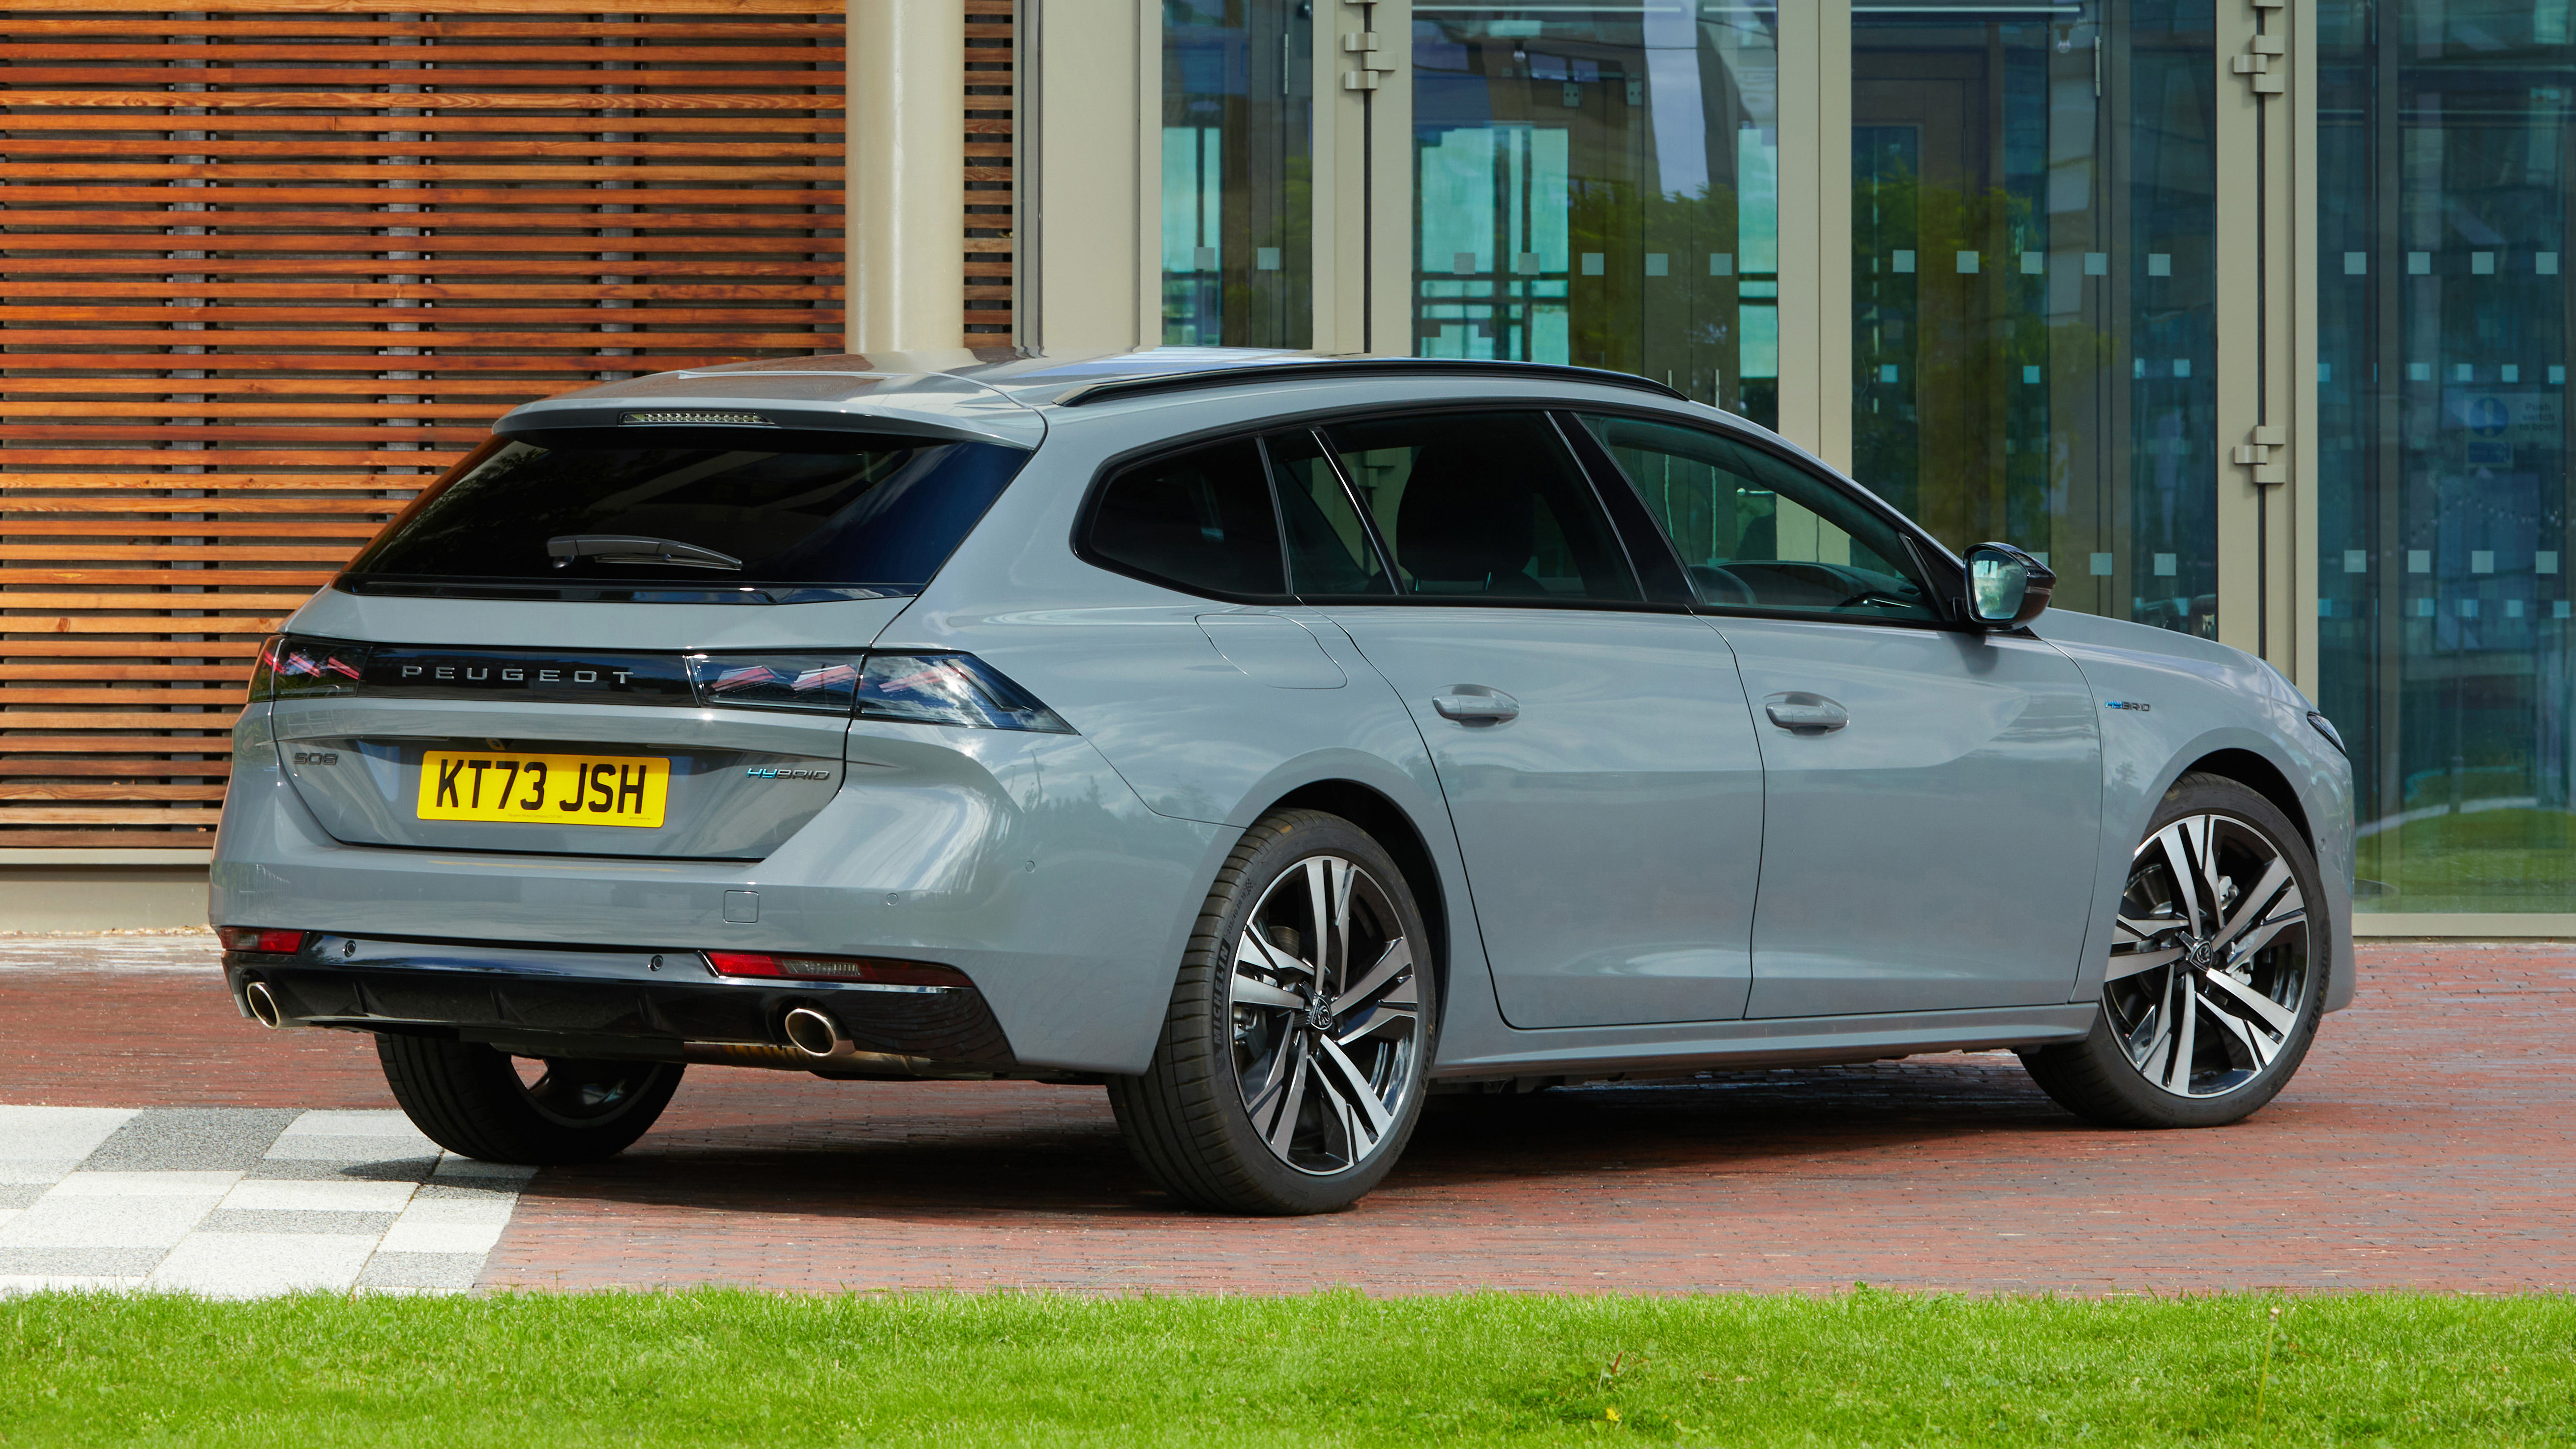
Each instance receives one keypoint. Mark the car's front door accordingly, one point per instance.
(1932, 795)
(1597, 754)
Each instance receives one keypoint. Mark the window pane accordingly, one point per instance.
(785, 507)
(2034, 289)
(1755, 532)
(1485, 504)
(1238, 149)
(1328, 546)
(1199, 521)
(2444, 201)
(1600, 185)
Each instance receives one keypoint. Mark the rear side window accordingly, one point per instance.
(703, 508)
(1200, 521)
(1485, 505)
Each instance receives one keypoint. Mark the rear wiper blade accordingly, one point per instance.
(628, 548)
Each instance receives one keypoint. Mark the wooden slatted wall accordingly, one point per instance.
(265, 268)
(991, 47)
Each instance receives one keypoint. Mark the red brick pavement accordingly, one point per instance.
(2428, 1143)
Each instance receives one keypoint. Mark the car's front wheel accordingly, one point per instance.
(2218, 967)
(1290, 1068)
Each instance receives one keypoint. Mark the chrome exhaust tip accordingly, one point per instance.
(263, 1005)
(814, 1034)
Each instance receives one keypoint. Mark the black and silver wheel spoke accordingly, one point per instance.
(2271, 907)
(1326, 1015)
(2209, 956)
(1359, 1115)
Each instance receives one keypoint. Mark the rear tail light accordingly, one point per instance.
(941, 689)
(864, 970)
(825, 683)
(926, 688)
(951, 689)
(301, 668)
(261, 939)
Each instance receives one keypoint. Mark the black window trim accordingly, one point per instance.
(1315, 420)
(1943, 574)
(1385, 556)
(1629, 514)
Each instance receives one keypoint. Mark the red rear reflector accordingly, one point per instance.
(254, 938)
(869, 970)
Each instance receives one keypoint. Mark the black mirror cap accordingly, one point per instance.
(2039, 585)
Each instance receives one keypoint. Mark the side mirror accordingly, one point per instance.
(2006, 587)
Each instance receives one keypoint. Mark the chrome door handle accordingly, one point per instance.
(1482, 707)
(1802, 713)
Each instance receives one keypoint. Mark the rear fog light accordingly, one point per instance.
(260, 939)
(865, 970)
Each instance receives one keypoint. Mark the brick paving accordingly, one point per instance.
(2430, 1142)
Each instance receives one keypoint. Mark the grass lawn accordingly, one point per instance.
(723, 1367)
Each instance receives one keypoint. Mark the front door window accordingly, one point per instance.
(1756, 533)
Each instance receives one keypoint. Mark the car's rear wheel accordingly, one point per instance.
(476, 1102)
(1290, 1069)
(2218, 968)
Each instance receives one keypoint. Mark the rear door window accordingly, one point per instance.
(1485, 506)
(715, 509)
(1199, 521)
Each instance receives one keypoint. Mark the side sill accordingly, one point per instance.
(1786, 1041)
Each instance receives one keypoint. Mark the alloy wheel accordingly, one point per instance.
(1325, 1015)
(2209, 968)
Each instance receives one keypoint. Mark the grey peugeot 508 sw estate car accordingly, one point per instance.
(1274, 740)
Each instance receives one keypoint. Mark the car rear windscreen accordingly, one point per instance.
(691, 511)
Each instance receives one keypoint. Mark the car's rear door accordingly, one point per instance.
(1595, 748)
(1932, 795)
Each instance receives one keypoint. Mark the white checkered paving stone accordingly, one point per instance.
(241, 1202)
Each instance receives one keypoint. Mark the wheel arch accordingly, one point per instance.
(2264, 778)
(1388, 823)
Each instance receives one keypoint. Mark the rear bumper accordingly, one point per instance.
(620, 1005)
(1021, 860)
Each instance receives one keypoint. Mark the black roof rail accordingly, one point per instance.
(1118, 387)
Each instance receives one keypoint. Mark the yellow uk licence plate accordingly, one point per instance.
(544, 789)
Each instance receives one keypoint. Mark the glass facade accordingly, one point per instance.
(2034, 298)
(1600, 185)
(2444, 203)
(1238, 171)
(2035, 211)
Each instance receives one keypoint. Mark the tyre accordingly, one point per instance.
(1290, 1069)
(472, 1101)
(2218, 968)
